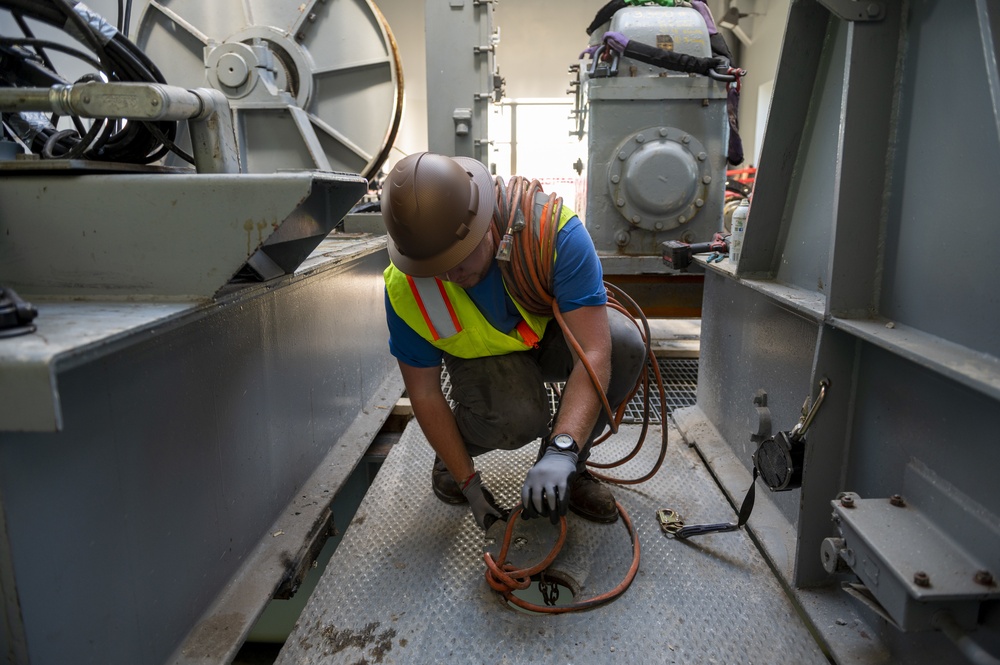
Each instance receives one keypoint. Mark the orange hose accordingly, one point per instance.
(505, 578)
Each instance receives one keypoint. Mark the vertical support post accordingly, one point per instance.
(799, 63)
(861, 186)
(459, 75)
(826, 451)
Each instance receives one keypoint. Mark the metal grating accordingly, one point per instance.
(680, 385)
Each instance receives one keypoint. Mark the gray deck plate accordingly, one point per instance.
(406, 584)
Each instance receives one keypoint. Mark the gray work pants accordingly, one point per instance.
(501, 401)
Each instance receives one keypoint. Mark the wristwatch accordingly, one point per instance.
(563, 442)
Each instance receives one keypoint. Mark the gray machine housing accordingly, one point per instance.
(657, 142)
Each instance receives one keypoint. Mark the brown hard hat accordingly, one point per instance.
(437, 210)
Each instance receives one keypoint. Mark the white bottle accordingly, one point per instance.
(739, 225)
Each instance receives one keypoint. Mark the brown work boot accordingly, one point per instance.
(591, 499)
(445, 487)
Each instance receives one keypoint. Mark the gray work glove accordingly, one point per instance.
(546, 487)
(484, 507)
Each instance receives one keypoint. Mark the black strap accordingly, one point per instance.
(673, 60)
(746, 508)
(604, 14)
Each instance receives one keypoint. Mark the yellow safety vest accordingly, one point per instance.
(444, 314)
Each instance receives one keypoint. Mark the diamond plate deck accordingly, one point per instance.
(406, 584)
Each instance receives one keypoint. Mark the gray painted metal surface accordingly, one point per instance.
(406, 584)
(854, 193)
(461, 75)
(156, 236)
(187, 435)
(657, 143)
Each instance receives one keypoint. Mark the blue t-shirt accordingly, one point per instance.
(577, 281)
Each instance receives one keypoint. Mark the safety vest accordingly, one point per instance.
(444, 314)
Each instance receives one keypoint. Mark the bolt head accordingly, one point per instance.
(685, 139)
(897, 500)
(663, 131)
(847, 501)
(984, 577)
(616, 179)
(620, 202)
(682, 219)
(706, 179)
(702, 156)
(640, 139)
(920, 578)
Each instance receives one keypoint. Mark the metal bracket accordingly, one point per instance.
(855, 10)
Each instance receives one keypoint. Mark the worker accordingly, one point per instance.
(447, 300)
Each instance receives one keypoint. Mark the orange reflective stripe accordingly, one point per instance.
(529, 336)
(423, 310)
(447, 302)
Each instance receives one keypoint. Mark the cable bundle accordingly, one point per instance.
(117, 59)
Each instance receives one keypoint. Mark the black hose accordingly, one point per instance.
(119, 60)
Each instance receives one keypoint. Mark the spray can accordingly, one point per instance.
(739, 225)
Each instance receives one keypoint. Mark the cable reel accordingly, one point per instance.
(313, 85)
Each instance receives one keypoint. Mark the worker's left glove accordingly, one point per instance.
(616, 41)
(546, 487)
(485, 508)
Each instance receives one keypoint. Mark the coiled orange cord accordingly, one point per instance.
(528, 276)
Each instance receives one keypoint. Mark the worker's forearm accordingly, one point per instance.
(438, 424)
(581, 405)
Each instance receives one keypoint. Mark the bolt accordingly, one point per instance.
(702, 156)
(312, 18)
(640, 139)
(301, 36)
(620, 202)
(622, 155)
(658, 226)
(154, 102)
(615, 179)
(682, 219)
(686, 139)
(663, 131)
(706, 179)
(984, 577)
(847, 501)
(636, 219)
(699, 203)
(897, 500)
(920, 578)
(873, 9)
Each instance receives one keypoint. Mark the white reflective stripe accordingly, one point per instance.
(435, 306)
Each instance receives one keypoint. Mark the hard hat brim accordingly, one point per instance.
(458, 252)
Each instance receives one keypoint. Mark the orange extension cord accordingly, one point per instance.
(528, 275)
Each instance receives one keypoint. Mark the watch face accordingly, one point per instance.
(563, 442)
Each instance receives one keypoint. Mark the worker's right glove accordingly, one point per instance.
(546, 487)
(484, 507)
(616, 41)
